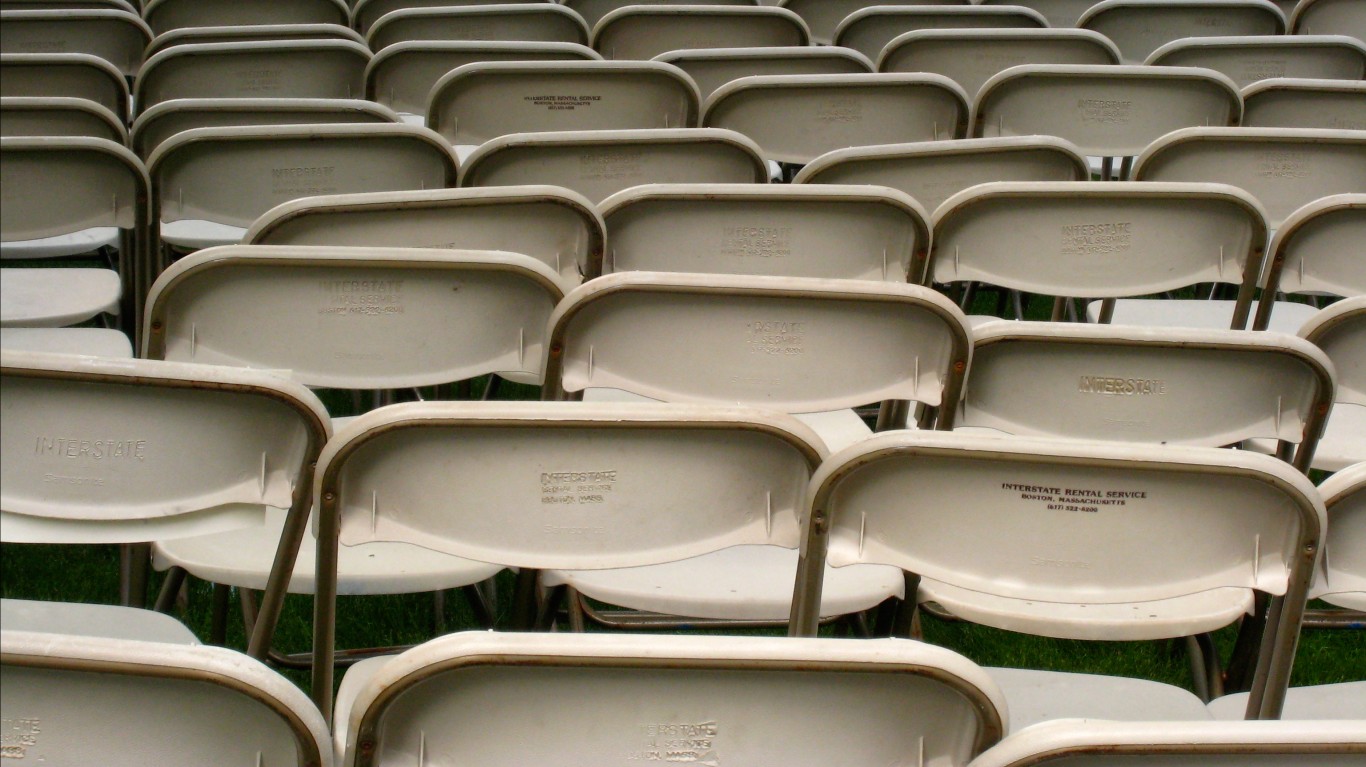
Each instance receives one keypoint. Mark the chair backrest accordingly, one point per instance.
(1140, 27)
(1247, 60)
(870, 30)
(762, 341)
(556, 226)
(1340, 331)
(1093, 743)
(1097, 239)
(1296, 103)
(165, 15)
(167, 118)
(598, 164)
(121, 451)
(643, 32)
(1073, 538)
(118, 37)
(481, 101)
(733, 700)
(355, 318)
(821, 113)
(68, 698)
(941, 51)
(517, 22)
(824, 16)
(711, 68)
(1107, 111)
(1338, 17)
(592, 11)
(82, 5)
(1059, 13)
(1317, 250)
(933, 171)
(321, 69)
(1115, 383)
(70, 75)
(59, 116)
(402, 75)
(1342, 581)
(249, 32)
(832, 232)
(1285, 169)
(364, 13)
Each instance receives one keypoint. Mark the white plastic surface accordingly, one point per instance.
(107, 621)
(88, 342)
(870, 29)
(53, 298)
(1040, 696)
(1249, 59)
(1342, 579)
(1139, 28)
(1340, 330)
(1324, 702)
(647, 31)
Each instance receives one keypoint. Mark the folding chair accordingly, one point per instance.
(516, 22)
(70, 196)
(598, 164)
(364, 13)
(1295, 103)
(1311, 705)
(933, 171)
(165, 15)
(75, 699)
(1075, 539)
(941, 51)
(1340, 330)
(1107, 111)
(167, 118)
(824, 16)
(1140, 27)
(1085, 743)
(870, 30)
(92, 5)
(1058, 13)
(1247, 60)
(482, 101)
(100, 451)
(1335, 17)
(647, 31)
(1285, 169)
(76, 619)
(318, 69)
(831, 232)
(730, 700)
(711, 68)
(118, 37)
(1092, 239)
(67, 75)
(249, 32)
(402, 75)
(90, 342)
(592, 11)
(59, 116)
(209, 184)
(821, 113)
(1342, 581)
(556, 226)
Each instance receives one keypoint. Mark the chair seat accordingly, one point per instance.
(1178, 616)
(1286, 316)
(1346, 700)
(738, 583)
(353, 680)
(53, 298)
(195, 234)
(73, 244)
(1343, 442)
(1034, 696)
(108, 621)
(243, 558)
(87, 342)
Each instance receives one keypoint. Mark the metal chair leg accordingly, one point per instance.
(170, 590)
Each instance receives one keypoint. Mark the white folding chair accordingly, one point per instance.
(1308, 705)
(932, 171)
(59, 116)
(1340, 330)
(1342, 581)
(868, 31)
(163, 120)
(249, 32)
(711, 68)
(598, 164)
(1107, 111)
(704, 700)
(825, 231)
(1338, 17)
(941, 51)
(824, 16)
(77, 619)
(821, 113)
(402, 75)
(165, 15)
(1296, 103)
(364, 13)
(1247, 60)
(317, 69)
(93, 5)
(74, 700)
(553, 225)
(69, 75)
(89, 342)
(1087, 743)
(1140, 27)
(118, 37)
(643, 32)
(1075, 539)
(592, 11)
(515, 22)
(1059, 13)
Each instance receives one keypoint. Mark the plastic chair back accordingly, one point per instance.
(168, 118)
(592, 11)
(118, 37)
(941, 51)
(250, 32)
(59, 116)
(364, 13)
(1337, 17)
(1294, 103)
(165, 15)
(712, 68)
(1247, 60)
(68, 75)
(516, 22)
(647, 31)
(870, 30)
(1140, 27)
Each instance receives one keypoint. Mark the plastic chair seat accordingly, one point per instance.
(74, 243)
(108, 621)
(1345, 700)
(197, 234)
(1036, 696)
(57, 297)
(1344, 441)
(87, 342)
(738, 583)
(1287, 317)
